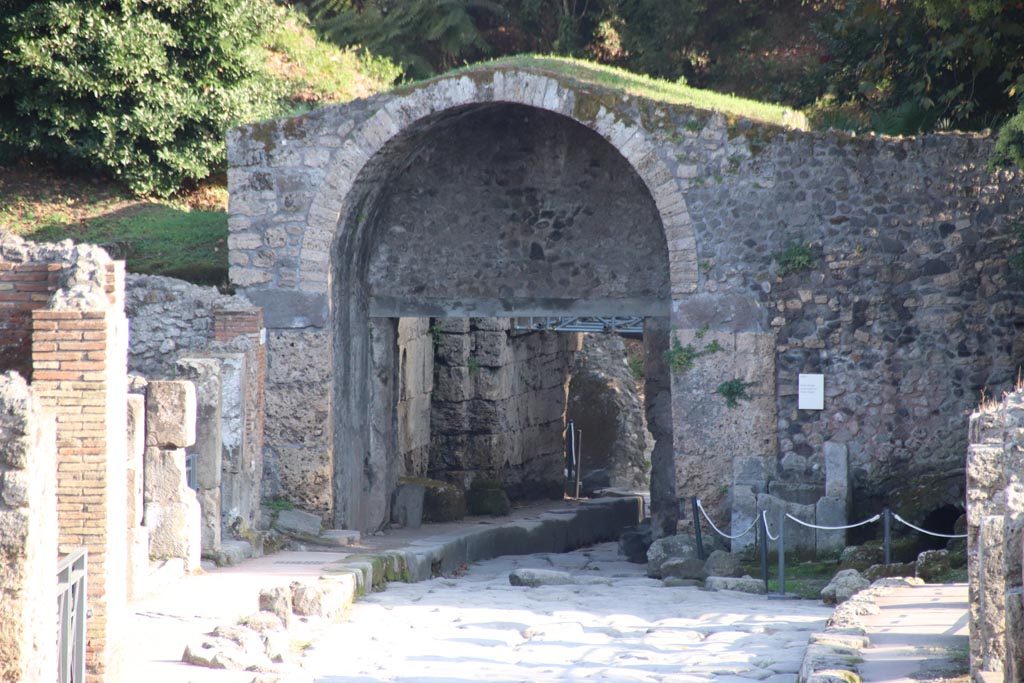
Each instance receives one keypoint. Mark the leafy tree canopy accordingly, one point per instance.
(142, 90)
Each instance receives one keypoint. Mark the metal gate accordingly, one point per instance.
(71, 590)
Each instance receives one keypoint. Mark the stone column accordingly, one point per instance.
(380, 471)
(138, 535)
(205, 375)
(172, 511)
(658, 406)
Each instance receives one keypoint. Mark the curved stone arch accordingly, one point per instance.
(326, 217)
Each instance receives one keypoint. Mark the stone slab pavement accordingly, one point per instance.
(920, 633)
(594, 617)
(179, 610)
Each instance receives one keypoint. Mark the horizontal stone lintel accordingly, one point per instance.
(412, 307)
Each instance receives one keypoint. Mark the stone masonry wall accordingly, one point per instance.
(995, 541)
(28, 535)
(79, 338)
(900, 292)
(499, 405)
(171, 319)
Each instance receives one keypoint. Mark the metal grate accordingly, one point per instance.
(71, 615)
(631, 326)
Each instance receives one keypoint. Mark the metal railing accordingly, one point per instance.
(759, 526)
(71, 614)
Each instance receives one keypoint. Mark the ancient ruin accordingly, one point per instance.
(767, 252)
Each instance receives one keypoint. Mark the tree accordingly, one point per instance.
(142, 90)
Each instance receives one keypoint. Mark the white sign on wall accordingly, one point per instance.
(811, 392)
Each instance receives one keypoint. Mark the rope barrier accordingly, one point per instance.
(834, 528)
(925, 531)
(764, 516)
(704, 512)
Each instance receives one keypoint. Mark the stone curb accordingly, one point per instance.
(832, 655)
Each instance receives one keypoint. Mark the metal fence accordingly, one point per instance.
(71, 614)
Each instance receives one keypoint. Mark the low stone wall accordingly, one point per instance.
(995, 533)
(28, 534)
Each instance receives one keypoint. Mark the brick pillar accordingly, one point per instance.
(79, 355)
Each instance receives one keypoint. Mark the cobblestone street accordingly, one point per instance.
(612, 623)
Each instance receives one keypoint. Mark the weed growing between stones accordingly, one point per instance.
(794, 258)
(680, 358)
(734, 391)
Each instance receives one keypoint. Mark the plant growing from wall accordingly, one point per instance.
(680, 358)
(734, 391)
(435, 334)
(794, 258)
(473, 364)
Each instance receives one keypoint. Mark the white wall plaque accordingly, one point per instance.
(811, 391)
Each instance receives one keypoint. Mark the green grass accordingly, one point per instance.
(804, 579)
(154, 238)
(651, 88)
(314, 72)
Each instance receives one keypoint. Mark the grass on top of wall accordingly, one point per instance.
(639, 85)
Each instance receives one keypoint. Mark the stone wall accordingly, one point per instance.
(499, 405)
(995, 541)
(28, 534)
(606, 401)
(878, 262)
(79, 339)
(172, 320)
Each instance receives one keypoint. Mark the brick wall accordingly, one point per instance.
(79, 346)
(24, 287)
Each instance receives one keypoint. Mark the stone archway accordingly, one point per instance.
(486, 209)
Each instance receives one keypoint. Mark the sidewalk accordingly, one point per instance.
(165, 621)
(920, 634)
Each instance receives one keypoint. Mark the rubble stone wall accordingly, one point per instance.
(28, 534)
(79, 341)
(879, 262)
(995, 540)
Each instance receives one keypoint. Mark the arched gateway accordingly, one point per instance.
(506, 191)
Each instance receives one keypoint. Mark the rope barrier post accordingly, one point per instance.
(887, 531)
(764, 550)
(782, 551)
(696, 528)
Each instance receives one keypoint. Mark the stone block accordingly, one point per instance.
(209, 505)
(453, 349)
(829, 511)
(803, 494)
(837, 473)
(165, 475)
(727, 583)
(750, 470)
(284, 308)
(204, 373)
(407, 505)
(175, 532)
(298, 523)
(136, 449)
(744, 512)
(170, 414)
(340, 538)
(799, 539)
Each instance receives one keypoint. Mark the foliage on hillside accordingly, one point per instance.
(143, 92)
(894, 67)
(184, 234)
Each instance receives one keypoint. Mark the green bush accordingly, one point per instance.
(142, 91)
